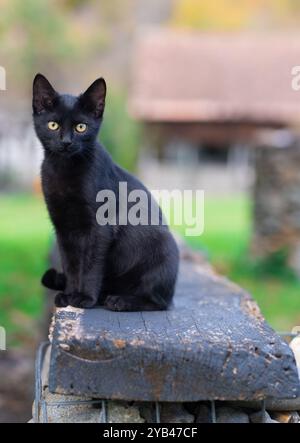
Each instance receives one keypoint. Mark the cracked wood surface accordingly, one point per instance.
(213, 344)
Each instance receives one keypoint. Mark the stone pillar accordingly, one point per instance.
(277, 198)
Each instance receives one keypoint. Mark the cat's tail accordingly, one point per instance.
(54, 280)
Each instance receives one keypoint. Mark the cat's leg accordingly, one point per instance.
(61, 300)
(153, 290)
(83, 260)
(54, 280)
(82, 300)
(70, 252)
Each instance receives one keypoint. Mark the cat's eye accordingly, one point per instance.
(53, 126)
(81, 127)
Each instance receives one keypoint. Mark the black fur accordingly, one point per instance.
(125, 268)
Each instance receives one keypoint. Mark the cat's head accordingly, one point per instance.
(67, 125)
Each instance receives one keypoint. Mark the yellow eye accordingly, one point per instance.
(53, 126)
(81, 127)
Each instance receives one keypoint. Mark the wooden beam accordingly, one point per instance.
(213, 344)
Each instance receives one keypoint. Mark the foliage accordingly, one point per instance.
(119, 133)
(24, 245)
(273, 264)
(232, 14)
(50, 35)
(32, 33)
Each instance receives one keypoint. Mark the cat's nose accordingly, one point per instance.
(66, 144)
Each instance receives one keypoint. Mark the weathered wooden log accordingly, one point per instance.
(213, 344)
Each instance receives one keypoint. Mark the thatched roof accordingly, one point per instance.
(196, 77)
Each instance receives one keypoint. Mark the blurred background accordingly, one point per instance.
(200, 97)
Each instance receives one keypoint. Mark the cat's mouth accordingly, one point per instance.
(70, 151)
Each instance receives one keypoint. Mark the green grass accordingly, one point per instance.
(225, 241)
(25, 239)
(24, 243)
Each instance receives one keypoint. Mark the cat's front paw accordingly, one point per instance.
(80, 300)
(61, 300)
(117, 303)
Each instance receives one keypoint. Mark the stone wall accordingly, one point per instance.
(280, 411)
(277, 201)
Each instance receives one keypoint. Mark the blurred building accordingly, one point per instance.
(224, 104)
(214, 89)
(199, 92)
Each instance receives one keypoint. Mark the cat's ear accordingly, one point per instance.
(44, 95)
(93, 99)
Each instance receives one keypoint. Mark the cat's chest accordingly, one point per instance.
(69, 201)
(61, 189)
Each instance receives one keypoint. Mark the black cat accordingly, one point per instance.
(123, 267)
